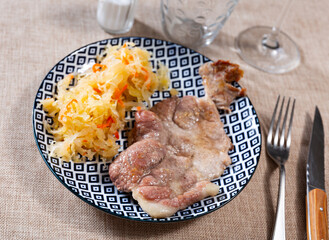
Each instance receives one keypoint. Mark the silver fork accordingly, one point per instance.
(279, 152)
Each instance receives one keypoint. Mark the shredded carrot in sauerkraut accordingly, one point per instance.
(88, 115)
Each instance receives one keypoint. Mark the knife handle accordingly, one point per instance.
(318, 215)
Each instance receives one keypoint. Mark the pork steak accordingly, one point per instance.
(178, 146)
(176, 149)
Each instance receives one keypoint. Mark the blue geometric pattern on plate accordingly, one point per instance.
(90, 181)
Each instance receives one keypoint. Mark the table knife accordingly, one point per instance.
(316, 198)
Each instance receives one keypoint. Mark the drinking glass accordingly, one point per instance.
(195, 22)
(268, 48)
(116, 16)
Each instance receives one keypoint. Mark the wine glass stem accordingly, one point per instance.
(271, 40)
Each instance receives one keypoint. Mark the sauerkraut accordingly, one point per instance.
(88, 116)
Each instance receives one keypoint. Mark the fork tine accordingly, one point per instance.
(269, 135)
(290, 125)
(276, 136)
(284, 125)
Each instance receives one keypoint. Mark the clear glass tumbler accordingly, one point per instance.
(195, 23)
(116, 16)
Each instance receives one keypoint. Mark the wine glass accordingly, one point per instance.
(268, 48)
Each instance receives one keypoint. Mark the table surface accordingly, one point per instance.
(35, 35)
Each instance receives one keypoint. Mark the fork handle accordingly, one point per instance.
(317, 218)
(279, 227)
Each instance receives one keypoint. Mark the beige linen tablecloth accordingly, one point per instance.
(35, 35)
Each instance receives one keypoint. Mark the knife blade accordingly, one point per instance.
(316, 198)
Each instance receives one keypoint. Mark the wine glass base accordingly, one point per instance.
(280, 58)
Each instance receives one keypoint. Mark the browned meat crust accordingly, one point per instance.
(217, 78)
